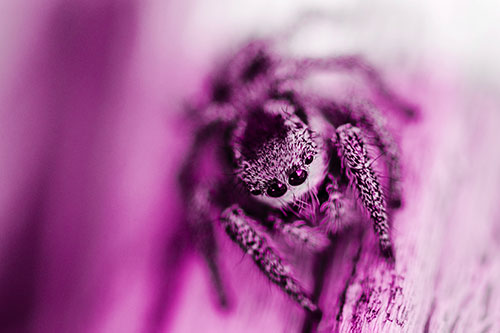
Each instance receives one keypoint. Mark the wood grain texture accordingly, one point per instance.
(447, 236)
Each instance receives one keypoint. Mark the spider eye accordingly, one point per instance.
(309, 159)
(276, 189)
(297, 177)
(255, 192)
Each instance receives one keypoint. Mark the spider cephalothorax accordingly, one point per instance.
(301, 158)
(275, 151)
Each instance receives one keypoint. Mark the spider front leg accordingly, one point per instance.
(299, 233)
(239, 228)
(371, 119)
(334, 208)
(352, 151)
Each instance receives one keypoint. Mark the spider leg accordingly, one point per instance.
(352, 151)
(371, 119)
(334, 208)
(299, 233)
(371, 75)
(198, 183)
(238, 227)
(368, 117)
(202, 229)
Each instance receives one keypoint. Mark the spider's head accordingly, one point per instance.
(278, 157)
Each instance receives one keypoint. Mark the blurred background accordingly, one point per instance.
(91, 141)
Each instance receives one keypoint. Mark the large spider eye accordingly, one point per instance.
(276, 189)
(255, 192)
(297, 177)
(309, 159)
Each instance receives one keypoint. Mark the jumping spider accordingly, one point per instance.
(269, 160)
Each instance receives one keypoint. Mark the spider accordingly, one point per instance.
(272, 160)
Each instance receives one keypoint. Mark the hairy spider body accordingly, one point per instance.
(272, 161)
